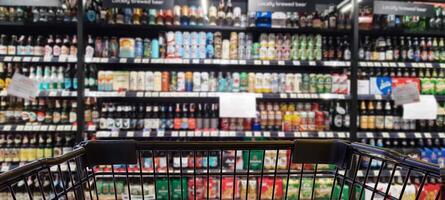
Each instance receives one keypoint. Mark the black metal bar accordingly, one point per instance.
(378, 178)
(262, 172)
(275, 174)
(80, 72)
(154, 172)
(248, 173)
(353, 107)
(114, 181)
(128, 181)
(181, 176)
(63, 184)
(168, 176)
(234, 174)
(220, 173)
(39, 180)
(208, 173)
(140, 171)
(313, 182)
(288, 175)
(404, 183)
(27, 188)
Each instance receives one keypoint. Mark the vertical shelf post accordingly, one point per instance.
(80, 73)
(353, 107)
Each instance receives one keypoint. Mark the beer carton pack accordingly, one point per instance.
(381, 85)
(402, 81)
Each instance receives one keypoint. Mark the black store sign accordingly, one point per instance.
(156, 4)
(42, 3)
(403, 8)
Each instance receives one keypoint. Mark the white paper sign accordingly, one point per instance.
(237, 105)
(426, 108)
(404, 94)
(24, 87)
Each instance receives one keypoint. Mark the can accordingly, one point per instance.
(256, 50)
(171, 51)
(157, 84)
(275, 82)
(225, 50)
(210, 52)
(297, 83)
(179, 51)
(155, 48)
(173, 81)
(194, 38)
(267, 83)
(194, 52)
(327, 83)
(180, 82)
(114, 47)
(186, 52)
(235, 82)
(202, 52)
(139, 48)
(196, 81)
(209, 38)
(244, 82)
(141, 81)
(320, 83)
(251, 82)
(170, 38)
(165, 81)
(205, 82)
(133, 81)
(290, 78)
(178, 38)
(202, 38)
(281, 82)
(188, 81)
(147, 47)
(305, 83)
(313, 83)
(149, 81)
(186, 38)
(259, 78)
(213, 83)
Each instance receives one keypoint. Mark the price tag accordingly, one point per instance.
(369, 135)
(427, 135)
(28, 128)
(104, 60)
(360, 173)
(257, 62)
(207, 61)
(92, 128)
(137, 60)
(47, 59)
(20, 128)
(378, 97)
(415, 64)
(401, 64)
(217, 61)
(27, 59)
(421, 65)
(155, 61)
(442, 65)
(329, 134)
(418, 135)
(182, 134)
(385, 64)
(231, 134)
(52, 128)
(281, 134)
(195, 61)
(52, 94)
(147, 94)
(293, 95)
(322, 134)
(257, 134)
(7, 59)
(283, 96)
(429, 65)
(441, 135)
(205, 134)
(198, 134)
(146, 133)
(385, 134)
(36, 128)
(233, 62)
(185, 61)
(115, 133)
(266, 134)
(7, 128)
(248, 133)
(370, 64)
(35, 59)
(5, 168)
(190, 134)
(72, 59)
(155, 94)
(123, 60)
(62, 59)
(392, 64)
(60, 128)
(378, 64)
(401, 135)
(304, 134)
(297, 134)
(130, 134)
(341, 135)
(280, 62)
(65, 93)
(67, 127)
(214, 133)
(145, 60)
(312, 63)
(242, 62)
(266, 62)
(296, 63)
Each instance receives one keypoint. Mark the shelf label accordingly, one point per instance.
(427, 135)
(145, 60)
(137, 60)
(242, 62)
(312, 63)
(233, 62)
(52, 128)
(401, 135)
(17, 59)
(7, 128)
(281, 134)
(321, 134)
(418, 135)
(266, 134)
(248, 134)
(329, 135)
(441, 135)
(304, 134)
(257, 62)
(123, 60)
(266, 62)
(7, 59)
(369, 135)
(35, 59)
(385, 134)
(205, 134)
(280, 62)
(403, 8)
(257, 134)
(195, 61)
(20, 128)
(130, 134)
(296, 63)
(146, 133)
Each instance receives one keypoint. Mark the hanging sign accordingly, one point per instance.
(403, 8)
(23, 87)
(40, 3)
(278, 5)
(237, 105)
(155, 4)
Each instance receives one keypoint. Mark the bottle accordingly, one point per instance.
(89, 51)
(73, 113)
(389, 118)
(379, 117)
(12, 47)
(363, 116)
(339, 113)
(3, 45)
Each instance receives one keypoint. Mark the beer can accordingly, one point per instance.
(173, 81)
(305, 83)
(157, 81)
(171, 51)
(282, 82)
(188, 81)
(275, 82)
(155, 48)
(226, 49)
(212, 82)
(241, 53)
(259, 78)
(149, 81)
(147, 48)
(194, 52)
(202, 52)
(194, 38)
(165, 81)
(235, 82)
(186, 38)
(202, 38)
(100, 80)
(139, 48)
(251, 83)
(186, 52)
(256, 50)
(170, 38)
(290, 78)
(313, 83)
(205, 82)
(209, 38)
(179, 51)
(210, 52)
(196, 81)
(267, 83)
(297, 83)
(133, 81)
(180, 82)
(178, 38)
(244, 82)
(248, 53)
(141, 81)
(320, 83)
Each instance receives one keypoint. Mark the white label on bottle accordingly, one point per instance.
(92, 128)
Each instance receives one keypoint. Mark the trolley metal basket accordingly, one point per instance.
(301, 169)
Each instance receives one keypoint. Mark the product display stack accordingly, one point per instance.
(222, 70)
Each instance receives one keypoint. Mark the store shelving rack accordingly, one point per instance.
(82, 27)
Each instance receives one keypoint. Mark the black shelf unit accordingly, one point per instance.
(82, 28)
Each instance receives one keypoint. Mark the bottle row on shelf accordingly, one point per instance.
(223, 14)
(382, 81)
(385, 116)
(15, 148)
(41, 111)
(65, 13)
(157, 81)
(271, 116)
(202, 45)
(38, 45)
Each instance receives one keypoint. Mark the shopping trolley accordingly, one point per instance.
(301, 169)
